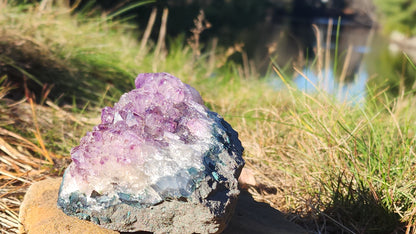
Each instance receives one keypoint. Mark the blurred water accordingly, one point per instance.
(299, 45)
(353, 91)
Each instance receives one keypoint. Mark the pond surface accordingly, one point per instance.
(329, 55)
(339, 56)
(342, 58)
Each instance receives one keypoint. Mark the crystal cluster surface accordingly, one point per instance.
(158, 143)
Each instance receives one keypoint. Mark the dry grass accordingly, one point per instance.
(333, 164)
(18, 170)
(26, 156)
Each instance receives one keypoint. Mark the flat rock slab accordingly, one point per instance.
(39, 213)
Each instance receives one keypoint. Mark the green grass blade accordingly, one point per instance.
(127, 8)
(336, 46)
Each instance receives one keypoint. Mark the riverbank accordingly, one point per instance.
(327, 165)
(400, 43)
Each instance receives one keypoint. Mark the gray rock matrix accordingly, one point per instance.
(207, 210)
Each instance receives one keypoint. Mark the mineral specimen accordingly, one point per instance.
(160, 161)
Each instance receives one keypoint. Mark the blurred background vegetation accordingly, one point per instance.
(261, 33)
(398, 15)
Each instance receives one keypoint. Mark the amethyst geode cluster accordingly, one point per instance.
(160, 161)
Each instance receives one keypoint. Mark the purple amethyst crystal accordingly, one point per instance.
(160, 161)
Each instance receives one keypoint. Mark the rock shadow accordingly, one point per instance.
(258, 217)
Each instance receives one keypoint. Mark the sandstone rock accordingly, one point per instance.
(39, 213)
(160, 161)
(247, 178)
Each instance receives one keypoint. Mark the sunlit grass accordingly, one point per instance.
(353, 164)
